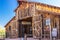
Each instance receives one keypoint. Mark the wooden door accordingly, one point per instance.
(37, 26)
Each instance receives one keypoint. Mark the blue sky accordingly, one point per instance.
(7, 8)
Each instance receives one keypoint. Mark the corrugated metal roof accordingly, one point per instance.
(28, 0)
(22, 0)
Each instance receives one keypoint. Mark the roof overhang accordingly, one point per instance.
(51, 8)
(9, 21)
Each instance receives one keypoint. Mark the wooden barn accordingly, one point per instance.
(35, 20)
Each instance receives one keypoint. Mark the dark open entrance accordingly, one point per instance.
(25, 27)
